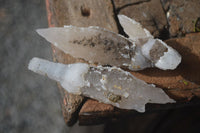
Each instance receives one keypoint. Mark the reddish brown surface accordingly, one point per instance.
(95, 106)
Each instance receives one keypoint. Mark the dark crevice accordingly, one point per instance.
(164, 116)
(75, 115)
(85, 11)
(120, 28)
(131, 4)
(197, 25)
(164, 34)
(155, 24)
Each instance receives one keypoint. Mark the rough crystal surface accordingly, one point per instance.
(106, 84)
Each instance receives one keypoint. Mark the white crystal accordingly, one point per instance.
(109, 85)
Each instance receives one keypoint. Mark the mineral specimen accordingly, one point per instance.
(109, 85)
(98, 45)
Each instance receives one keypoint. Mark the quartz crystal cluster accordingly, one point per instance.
(110, 85)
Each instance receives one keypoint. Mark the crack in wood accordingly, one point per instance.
(131, 4)
(120, 28)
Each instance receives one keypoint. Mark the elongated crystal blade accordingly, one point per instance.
(109, 85)
(92, 44)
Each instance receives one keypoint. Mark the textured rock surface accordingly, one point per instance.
(181, 15)
(150, 14)
(95, 106)
(121, 3)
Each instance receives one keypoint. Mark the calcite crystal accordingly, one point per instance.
(109, 85)
(98, 45)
